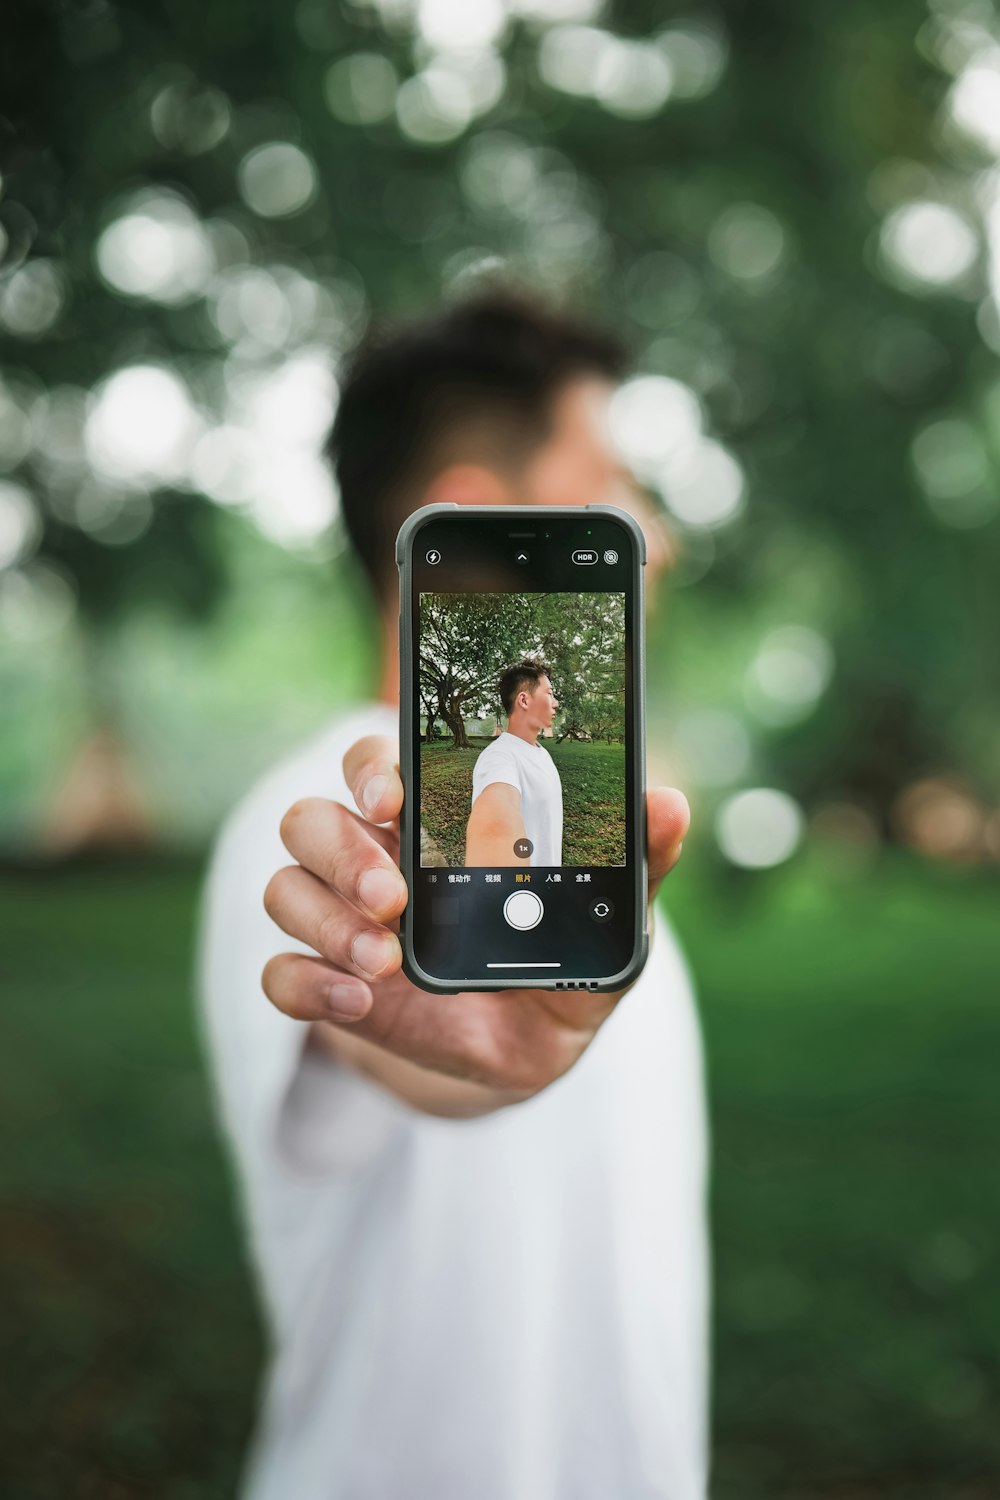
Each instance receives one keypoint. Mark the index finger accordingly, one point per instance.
(371, 769)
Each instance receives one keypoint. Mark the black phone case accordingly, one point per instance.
(410, 817)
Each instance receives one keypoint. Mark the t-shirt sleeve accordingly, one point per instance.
(495, 765)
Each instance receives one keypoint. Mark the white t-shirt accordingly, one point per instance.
(508, 1308)
(532, 770)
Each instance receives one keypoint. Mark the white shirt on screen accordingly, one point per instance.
(531, 769)
(508, 1308)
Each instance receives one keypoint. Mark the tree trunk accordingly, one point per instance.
(451, 713)
(99, 802)
(432, 718)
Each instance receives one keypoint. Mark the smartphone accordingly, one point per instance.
(522, 747)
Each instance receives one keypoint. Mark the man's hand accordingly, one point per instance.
(455, 1054)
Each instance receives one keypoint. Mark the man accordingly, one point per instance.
(516, 790)
(477, 1220)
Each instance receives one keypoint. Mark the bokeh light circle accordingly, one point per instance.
(277, 180)
(759, 828)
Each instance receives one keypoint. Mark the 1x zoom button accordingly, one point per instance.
(523, 910)
(584, 555)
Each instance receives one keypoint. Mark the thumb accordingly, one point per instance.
(667, 820)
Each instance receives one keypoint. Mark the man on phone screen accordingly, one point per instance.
(517, 808)
(477, 1220)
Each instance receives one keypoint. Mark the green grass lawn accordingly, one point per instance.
(853, 1038)
(593, 782)
(853, 1033)
(132, 1347)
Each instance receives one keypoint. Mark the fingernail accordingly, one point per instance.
(372, 951)
(380, 890)
(372, 793)
(347, 1001)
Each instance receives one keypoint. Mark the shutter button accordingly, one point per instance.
(523, 909)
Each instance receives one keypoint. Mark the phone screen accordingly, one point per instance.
(523, 705)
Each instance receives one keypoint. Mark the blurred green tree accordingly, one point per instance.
(787, 209)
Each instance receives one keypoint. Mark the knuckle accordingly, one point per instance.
(269, 978)
(271, 896)
(293, 818)
(276, 891)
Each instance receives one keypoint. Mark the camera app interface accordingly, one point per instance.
(522, 734)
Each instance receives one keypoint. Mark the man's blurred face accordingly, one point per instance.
(580, 465)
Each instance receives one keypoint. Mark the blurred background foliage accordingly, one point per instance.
(793, 214)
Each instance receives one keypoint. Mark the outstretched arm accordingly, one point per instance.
(495, 825)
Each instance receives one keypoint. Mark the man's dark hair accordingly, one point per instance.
(473, 383)
(526, 673)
